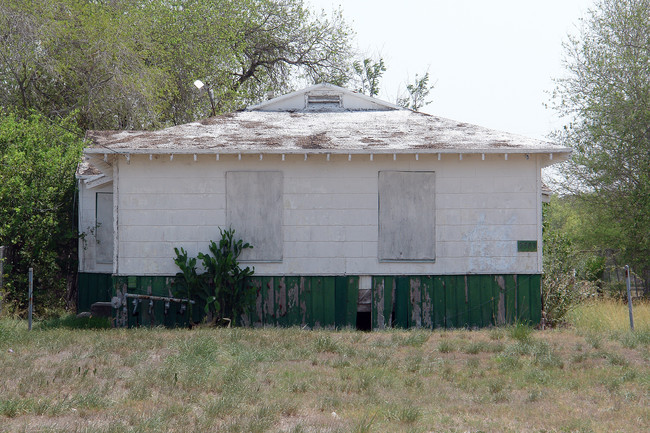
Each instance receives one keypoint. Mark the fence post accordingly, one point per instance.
(31, 298)
(629, 296)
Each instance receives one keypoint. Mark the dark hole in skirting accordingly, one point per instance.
(363, 321)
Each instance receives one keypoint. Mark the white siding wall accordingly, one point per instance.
(87, 227)
(483, 207)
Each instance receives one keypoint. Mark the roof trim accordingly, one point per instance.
(98, 150)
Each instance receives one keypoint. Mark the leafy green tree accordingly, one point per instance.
(417, 93)
(126, 64)
(368, 72)
(38, 158)
(606, 97)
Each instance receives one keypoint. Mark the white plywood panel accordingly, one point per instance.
(254, 208)
(407, 215)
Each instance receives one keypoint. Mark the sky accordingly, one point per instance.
(493, 62)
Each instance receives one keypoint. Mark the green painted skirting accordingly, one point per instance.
(455, 301)
(93, 288)
(315, 302)
(451, 301)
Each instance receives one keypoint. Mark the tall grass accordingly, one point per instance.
(610, 316)
(510, 379)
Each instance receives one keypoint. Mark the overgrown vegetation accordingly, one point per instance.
(604, 95)
(38, 158)
(224, 287)
(509, 379)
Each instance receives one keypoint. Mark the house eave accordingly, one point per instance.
(560, 152)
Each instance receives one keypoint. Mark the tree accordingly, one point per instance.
(368, 72)
(38, 158)
(417, 93)
(606, 96)
(125, 64)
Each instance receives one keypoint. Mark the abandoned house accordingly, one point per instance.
(361, 213)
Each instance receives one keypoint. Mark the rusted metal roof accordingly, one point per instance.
(395, 131)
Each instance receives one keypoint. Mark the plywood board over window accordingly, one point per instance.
(407, 216)
(104, 227)
(254, 208)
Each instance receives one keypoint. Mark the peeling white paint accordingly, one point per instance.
(492, 248)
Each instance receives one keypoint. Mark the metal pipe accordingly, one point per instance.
(158, 298)
(629, 296)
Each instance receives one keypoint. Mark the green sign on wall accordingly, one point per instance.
(526, 246)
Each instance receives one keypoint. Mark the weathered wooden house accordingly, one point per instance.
(361, 213)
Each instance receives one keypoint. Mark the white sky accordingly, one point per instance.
(493, 61)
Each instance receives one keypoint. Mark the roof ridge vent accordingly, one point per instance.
(323, 101)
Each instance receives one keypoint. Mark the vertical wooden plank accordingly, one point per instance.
(257, 312)
(329, 302)
(439, 304)
(523, 298)
(389, 301)
(317, 306)
(473, 283)
(160, 284)
(341, 299)
(306, 312)
(402, 300)
(352, 300)
(487, 300)
(451, 310)
(462, 300)
(500, 296)
(511, 298)
(269, 301)
(427, 302)
(83, 287)
(293, 301)
(415, 302)
(280, 294)
(536, 299)
(377, 318)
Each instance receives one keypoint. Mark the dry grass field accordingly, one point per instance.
(593, 376)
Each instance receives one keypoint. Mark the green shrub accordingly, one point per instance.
(224, 286)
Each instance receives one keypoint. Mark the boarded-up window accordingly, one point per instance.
(104, 227)
(254, 209)
(406, 216)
